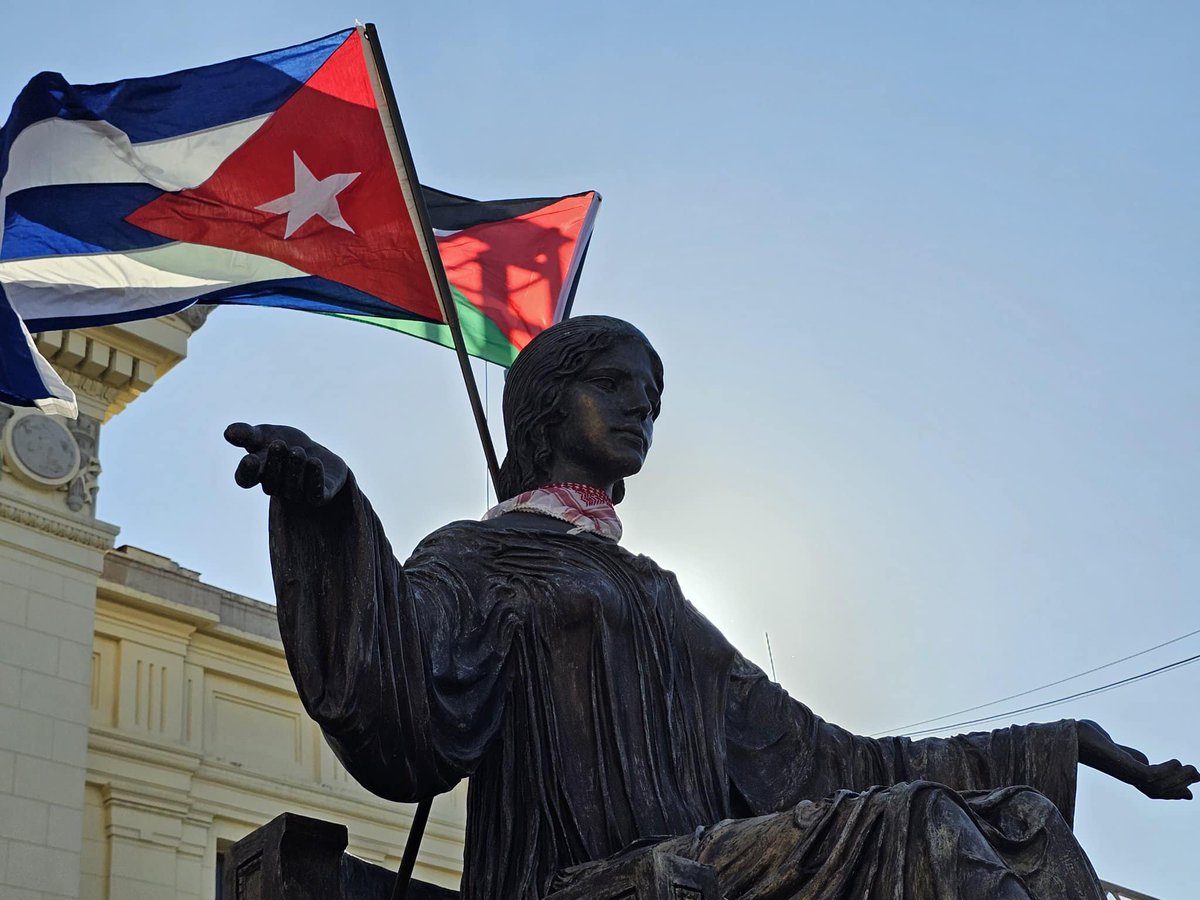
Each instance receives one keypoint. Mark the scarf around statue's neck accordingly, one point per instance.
(587, 508)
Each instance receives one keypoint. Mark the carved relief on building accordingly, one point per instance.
(195, 316)
(82, 489)
(50, 454)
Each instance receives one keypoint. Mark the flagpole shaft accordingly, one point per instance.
(415, 832)
(445, 298)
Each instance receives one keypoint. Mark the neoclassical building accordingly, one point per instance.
(147, 719)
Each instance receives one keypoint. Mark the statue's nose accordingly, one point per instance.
(640, 403)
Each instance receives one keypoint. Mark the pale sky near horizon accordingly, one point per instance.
(925, 281)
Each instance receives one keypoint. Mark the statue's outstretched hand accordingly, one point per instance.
(1170, 780)
(287, 463)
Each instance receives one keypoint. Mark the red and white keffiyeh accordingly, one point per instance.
(587, 508)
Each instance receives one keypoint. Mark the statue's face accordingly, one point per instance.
(610, 409)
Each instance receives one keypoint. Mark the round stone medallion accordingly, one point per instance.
(41, 450)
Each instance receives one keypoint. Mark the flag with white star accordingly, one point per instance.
(273, 180)
(268, 179)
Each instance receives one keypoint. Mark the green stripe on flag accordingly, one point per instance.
(482, 336)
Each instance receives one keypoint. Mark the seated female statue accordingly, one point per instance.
(592, 706)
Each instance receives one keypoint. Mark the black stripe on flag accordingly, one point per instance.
(450, 212)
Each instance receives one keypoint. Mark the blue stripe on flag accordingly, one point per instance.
(20, 382)
(66, 323)
(24, 239)
(76, 218)
(165, 106)
(309, 294)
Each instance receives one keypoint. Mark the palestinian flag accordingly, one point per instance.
(513, 267)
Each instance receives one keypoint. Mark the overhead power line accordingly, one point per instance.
(1088, 693)
(904, 729)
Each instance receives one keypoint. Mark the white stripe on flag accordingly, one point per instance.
(119, 283)
(63, 151)
(59, 399)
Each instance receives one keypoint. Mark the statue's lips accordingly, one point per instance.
(632, 432)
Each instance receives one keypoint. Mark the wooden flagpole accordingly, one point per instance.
(450, 313)
(445, 297)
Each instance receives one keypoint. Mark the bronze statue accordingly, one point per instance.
(594, 707)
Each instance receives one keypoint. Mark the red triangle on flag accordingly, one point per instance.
(315, 187)
(517, 271)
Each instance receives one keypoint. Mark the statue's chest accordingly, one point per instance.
(595, 599)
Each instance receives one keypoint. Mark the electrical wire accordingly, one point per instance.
(1088, 693)
(903, 729)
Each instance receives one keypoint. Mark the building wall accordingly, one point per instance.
(197, 737)
(47, 591)
(146, 719)
(51, 552)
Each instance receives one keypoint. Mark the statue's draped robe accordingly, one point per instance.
(593, 706)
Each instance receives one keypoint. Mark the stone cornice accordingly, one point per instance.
(350, 801)
(94, 535)
(140, 600)
(124, 745)
(109, 366)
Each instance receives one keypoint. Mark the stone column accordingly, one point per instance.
(51, 551)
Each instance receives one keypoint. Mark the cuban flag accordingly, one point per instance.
(269, 179)
(272, 179)
(277, 180)
(26, 379)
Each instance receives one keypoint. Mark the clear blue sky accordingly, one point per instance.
(926, 284)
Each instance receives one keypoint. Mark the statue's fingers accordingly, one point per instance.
(1178, 777)
(249, 471)
(314, 481)
(293, 473)
(240, 434)
(1179, 790)
(274, 467)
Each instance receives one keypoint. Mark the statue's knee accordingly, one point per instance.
(1032, 809)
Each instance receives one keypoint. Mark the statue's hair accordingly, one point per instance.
(534, 388)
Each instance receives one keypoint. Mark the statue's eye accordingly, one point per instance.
(604, 382)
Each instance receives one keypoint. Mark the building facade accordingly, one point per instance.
(197, 737)
(146, 719)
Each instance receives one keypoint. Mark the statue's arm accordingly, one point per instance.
(1170, 780)
(358, 632)
(780, 752)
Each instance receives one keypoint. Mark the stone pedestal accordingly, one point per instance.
(299, 858)
(51, 553)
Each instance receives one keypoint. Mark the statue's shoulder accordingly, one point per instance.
(474, 538)
(453, 534)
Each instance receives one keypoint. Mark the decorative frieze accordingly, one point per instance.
(90, 536)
